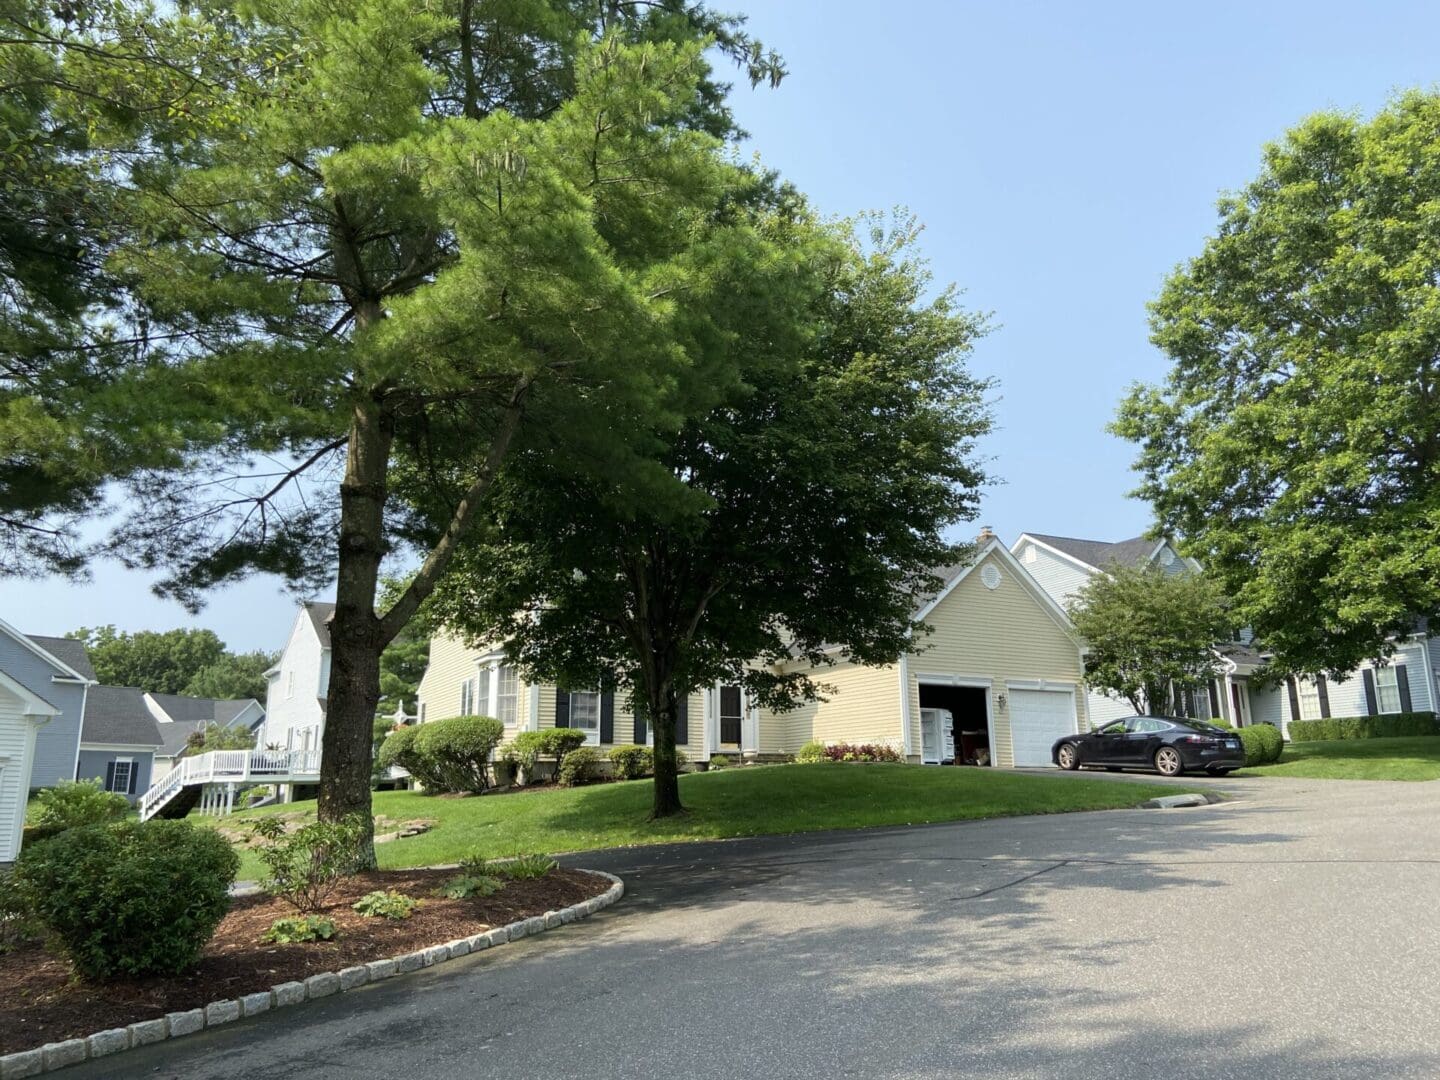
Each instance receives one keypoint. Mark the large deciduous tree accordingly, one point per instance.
(1150, 635)
(379, 246)
(804, 511)
(1296, 440)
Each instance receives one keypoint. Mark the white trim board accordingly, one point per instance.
(1021, 575)
(53, 661)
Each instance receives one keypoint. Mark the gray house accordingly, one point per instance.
(58, 671)
(119, 740)
(178, 717)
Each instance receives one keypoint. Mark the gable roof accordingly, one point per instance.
(1137, 551)
(176, 736)
(320, 613)
(117, 716)
(954, 575)
(181, 709)
(73, 649)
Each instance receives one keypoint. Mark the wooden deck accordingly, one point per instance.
(221, 772)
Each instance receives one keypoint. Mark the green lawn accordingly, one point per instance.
(1357, 759)
(747, 801)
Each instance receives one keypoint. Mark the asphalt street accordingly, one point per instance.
(1289, 933)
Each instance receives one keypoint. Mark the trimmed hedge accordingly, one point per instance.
(1392, 726)
(457, 750)
(1262, 743)
(632, 762)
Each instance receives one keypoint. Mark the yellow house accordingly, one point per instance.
(997, 680)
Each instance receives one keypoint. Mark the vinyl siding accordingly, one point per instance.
(1347, 696)
(1059, 577)
(1001, 634)
(57, 741)
(862, 705)
(624, 733)
(93, 762)
(17, 743)
(287, 712)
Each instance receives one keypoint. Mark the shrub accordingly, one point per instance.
(457, 751)
(1391, 726)
(719, 761)
(524, 867)
(526, 750)
(506, 767)
(18, 924)
(560, 742)
(632, 762)
(386, 905)
(398, 749)
(812, 753)
(71, 805)
(295, 929)
(307, 864)
(129, 899)
(215, 736)
(464, 886)
(579, 766)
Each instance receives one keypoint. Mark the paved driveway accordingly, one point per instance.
(1291, 933)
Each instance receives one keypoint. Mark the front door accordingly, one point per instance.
(731, 716)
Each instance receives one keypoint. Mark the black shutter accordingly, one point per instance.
(110, 776)
(639, 735)
(562, 707)
(1294, 699)
(1402, 679)
(682, 720)
(134, 772)
(1324, 691)
(1215, 713)
(607, 718)
(1371, 707)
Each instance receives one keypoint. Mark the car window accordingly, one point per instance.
(1116, 728)
(1148, 726)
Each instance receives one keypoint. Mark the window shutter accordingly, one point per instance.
(607, 718)
(134, 772)
(1324, 691)
(682, 720)
(639, 733)
(110, 776)
(1371, 707)
(1294, 699)
(1215, 713)
(562, 707)
(1402, 680)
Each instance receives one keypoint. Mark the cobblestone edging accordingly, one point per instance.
(54, 1056)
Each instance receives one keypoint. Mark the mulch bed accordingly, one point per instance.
(41, 1001)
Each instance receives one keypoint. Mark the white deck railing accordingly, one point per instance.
(231, 767)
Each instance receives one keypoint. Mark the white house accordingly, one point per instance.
(22, 712)
(295, 696)
(178, 717)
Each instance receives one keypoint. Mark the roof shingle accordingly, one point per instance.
(118, 716)
(68, 651)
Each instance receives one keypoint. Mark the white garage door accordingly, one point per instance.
(1037, 719)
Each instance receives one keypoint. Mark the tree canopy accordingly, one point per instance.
(806, 513)
(1150, 634)
(1296, 440)
(192, 662)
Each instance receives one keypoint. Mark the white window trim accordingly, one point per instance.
(592, 738)
(129, 763)
(494, 705)
(1394, 687)
(1306, 691)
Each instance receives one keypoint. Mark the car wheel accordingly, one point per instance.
(1167, 761)
(1067, 757)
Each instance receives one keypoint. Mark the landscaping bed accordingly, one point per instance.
(41, 1002)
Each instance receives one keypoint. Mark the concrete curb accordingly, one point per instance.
(53, 1056)
(1170, 802)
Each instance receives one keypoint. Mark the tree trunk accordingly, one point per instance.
(663, 713)
(356, 636)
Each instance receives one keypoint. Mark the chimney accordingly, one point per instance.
(986, 535)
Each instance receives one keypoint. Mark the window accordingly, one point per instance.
(731, 716)
(1387, 689)
(467, 698)
(1308, 693)
(482, 693)
(122, 772)
(507, 695)
(290, 684)
(585, 713)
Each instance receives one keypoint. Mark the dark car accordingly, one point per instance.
(1167, 744)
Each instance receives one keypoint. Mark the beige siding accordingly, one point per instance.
(1000, 634)
(861, 706)
(624, 733)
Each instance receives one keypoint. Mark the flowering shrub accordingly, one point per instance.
(817, 751)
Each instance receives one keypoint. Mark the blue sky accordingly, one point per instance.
(1064, 158)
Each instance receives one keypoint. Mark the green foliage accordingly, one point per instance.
(402, 665)
(129, 899)
(464, 886)
(632, 762)
(580, 766)
(719, 761)
(383, 904)
(1262, 742)
(216, 737)
(805, 506)
(305, 865)
(398, 749)
(70, 805)
(160, 663)
(812, 753)
(863, 752)
(525, 750)
(234, 676)
(456, 751)
(18, 924)
(1148, 632)
(299, 929)
(1389, 726)
(1293, 442)
(526, 867)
